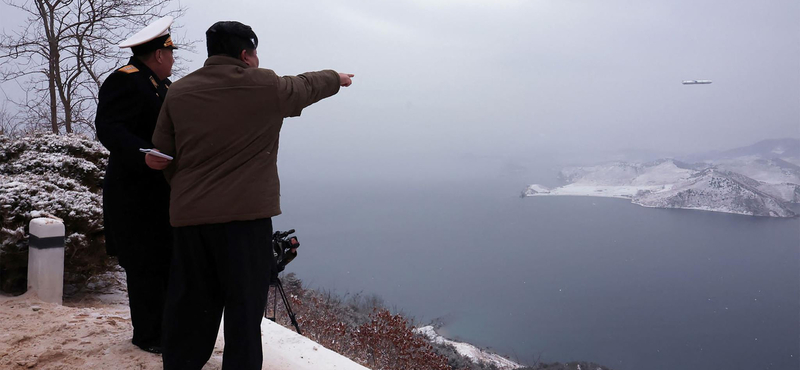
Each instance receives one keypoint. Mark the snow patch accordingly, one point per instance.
(475, 354)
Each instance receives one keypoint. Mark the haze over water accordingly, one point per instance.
(556, 279)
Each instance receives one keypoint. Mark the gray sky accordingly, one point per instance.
(521, 78)
(475, 76)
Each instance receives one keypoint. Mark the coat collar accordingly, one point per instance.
(216, 60)
(142, 67)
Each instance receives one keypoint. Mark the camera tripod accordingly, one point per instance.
(276, 282)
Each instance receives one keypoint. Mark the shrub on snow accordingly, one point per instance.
(51, 175)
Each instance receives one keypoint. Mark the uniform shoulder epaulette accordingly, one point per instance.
(129, 69)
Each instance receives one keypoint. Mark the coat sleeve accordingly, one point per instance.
(298, 92)
(118, 108)
(164, 138)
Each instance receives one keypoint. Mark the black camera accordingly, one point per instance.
(284, 247)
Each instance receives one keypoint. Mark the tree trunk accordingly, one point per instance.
(52, 91)
(48, 18)
(68, 118)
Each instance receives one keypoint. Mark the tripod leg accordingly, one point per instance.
(288, 307)
(274, 303)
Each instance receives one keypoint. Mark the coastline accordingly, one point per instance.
(624, 192)
(651, 206)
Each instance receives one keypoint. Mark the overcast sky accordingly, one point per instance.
(520, 78)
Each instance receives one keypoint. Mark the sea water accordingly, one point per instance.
(558, 278)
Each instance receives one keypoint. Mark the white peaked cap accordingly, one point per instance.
(153, 30)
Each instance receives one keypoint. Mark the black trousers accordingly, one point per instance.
(147, 290)
(215, 267)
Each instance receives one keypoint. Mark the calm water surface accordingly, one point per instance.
(559, 279)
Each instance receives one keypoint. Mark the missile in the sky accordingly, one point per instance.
(697, 82)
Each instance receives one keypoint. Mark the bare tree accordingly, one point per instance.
(65, 49)
(8, 126)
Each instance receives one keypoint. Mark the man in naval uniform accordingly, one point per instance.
(135, 197)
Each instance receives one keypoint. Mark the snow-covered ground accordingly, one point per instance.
(770, 171)
(465, 349)
(95, 333)
(284, 349)
(584, 190)
(615, 180)
(671, 184)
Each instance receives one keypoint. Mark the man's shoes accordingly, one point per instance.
(152, 348)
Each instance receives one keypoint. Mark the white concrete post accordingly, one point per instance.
(46, 259)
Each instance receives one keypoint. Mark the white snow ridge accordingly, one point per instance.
(773, 186)
(475, 354)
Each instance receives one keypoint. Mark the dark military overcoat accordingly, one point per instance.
(135, 197)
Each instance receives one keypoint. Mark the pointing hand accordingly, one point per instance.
(344, 79)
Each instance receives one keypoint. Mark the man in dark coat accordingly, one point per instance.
(222, 124)
(135, 197)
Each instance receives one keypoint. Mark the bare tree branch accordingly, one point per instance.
(65, 49)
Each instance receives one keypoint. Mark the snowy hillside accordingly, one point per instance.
(747, 185)
(662, 172)
(465, 349)
(714, 190)
(617, 180)
(779, 178)
(771, 171)
(787, 149)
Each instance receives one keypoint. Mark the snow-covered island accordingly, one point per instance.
(755, 183)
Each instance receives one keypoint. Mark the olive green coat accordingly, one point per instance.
(222, 123)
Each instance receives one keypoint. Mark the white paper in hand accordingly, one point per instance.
(155, 153)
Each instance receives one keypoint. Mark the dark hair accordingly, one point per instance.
(144, 56)
(230, 38)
